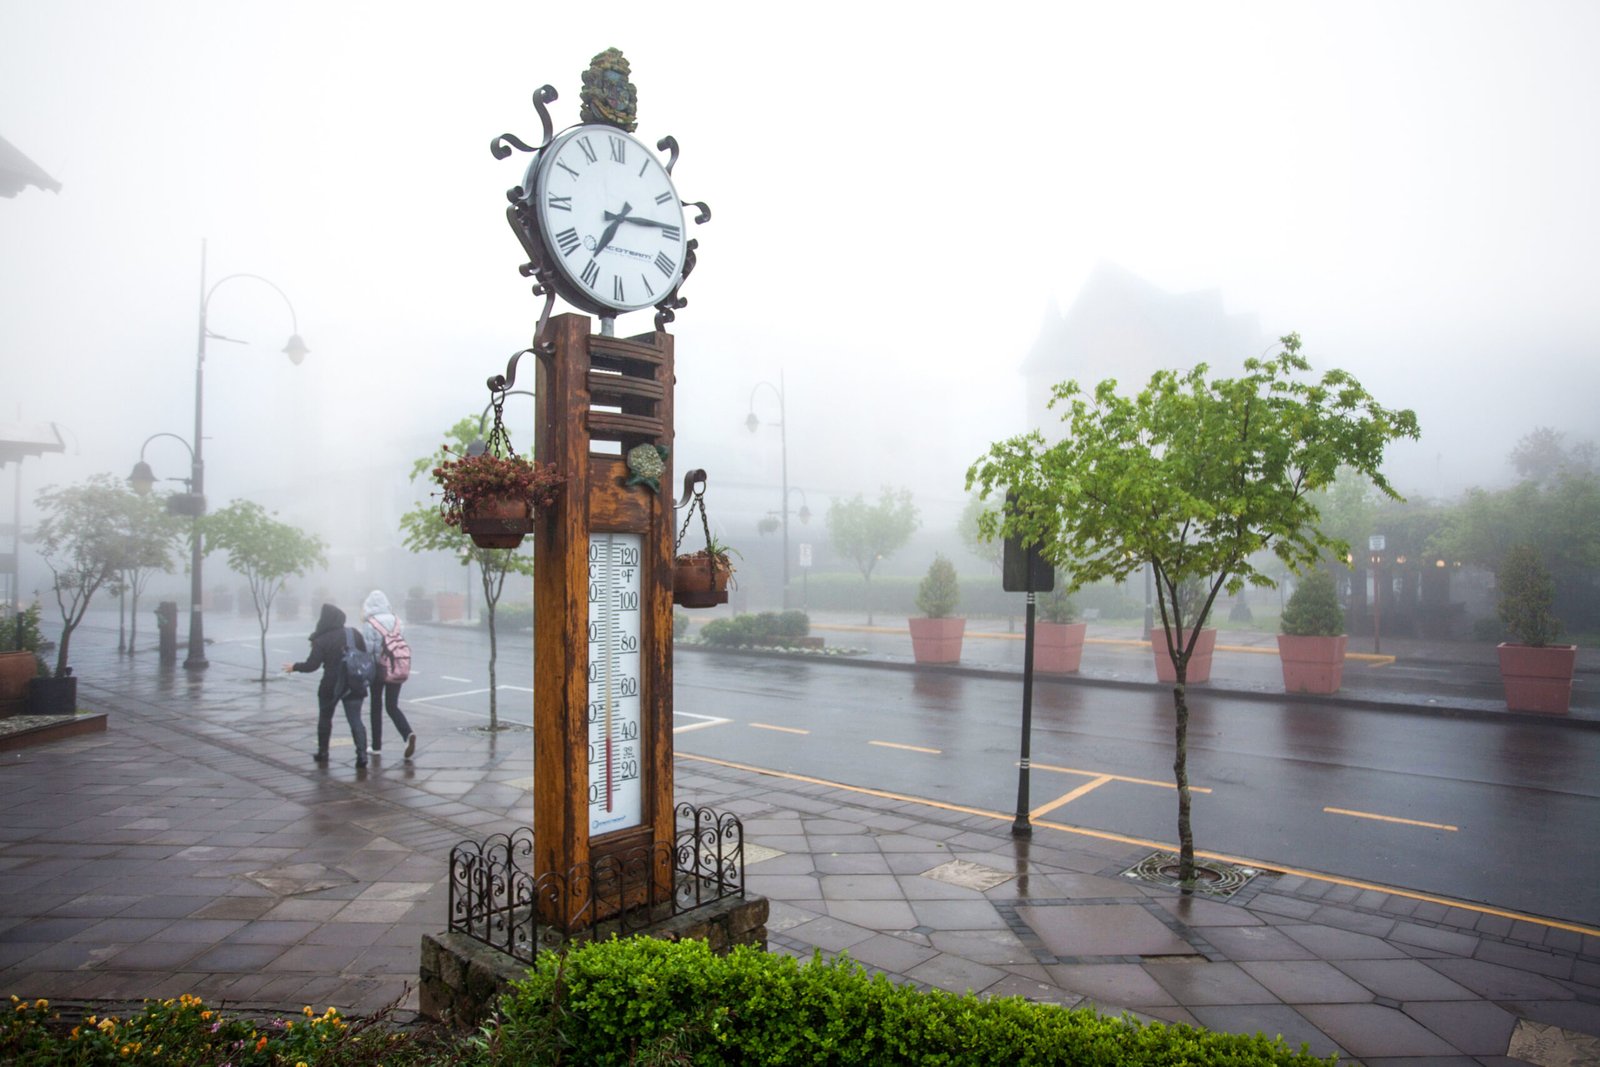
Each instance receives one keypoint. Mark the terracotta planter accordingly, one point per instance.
(1312, 664)
(16, 671)
(1058, 646)
(498, 522)
(700, 580)
(53, 696)
(1538, 678)
(452, 606)
(937, 640)
(1199, 661)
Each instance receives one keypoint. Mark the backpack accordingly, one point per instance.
(358, 665)
(395, 656)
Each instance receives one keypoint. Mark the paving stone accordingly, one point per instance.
(1473, 1026)
(1368, 1030)
(1273, 1020)
(1193, 984)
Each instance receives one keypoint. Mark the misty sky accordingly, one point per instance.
(900, 198)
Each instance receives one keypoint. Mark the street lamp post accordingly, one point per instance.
(751, 423)
(296, 350)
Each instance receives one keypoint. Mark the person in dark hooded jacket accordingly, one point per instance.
(327, 652)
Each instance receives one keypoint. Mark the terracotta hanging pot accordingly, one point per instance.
(700, 580)
(498, 522)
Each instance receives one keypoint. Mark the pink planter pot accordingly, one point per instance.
(1199, 662)
(1058, 646)
(937, 640)
(1538, 679)
(1312, 664)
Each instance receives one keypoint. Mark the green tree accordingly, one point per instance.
(989, 550)
(1193, 476)
(424, 530)
(152, 534)
(83, 540)
(263, 551)
(870, 533)
(1555, 511)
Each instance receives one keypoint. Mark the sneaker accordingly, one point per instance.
(320, 757)
(361, 764)
(375, 748)
(411, 744)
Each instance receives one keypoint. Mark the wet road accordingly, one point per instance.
(1502, 814)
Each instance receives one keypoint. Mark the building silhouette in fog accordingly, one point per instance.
(1122, 326)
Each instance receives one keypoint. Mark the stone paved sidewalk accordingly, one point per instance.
(193, 848)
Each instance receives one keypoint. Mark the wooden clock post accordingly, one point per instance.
(603, 817)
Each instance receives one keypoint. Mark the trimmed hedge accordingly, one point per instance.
(644, 1000)
(769, 627)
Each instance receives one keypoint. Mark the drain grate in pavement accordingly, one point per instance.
(1211, 877)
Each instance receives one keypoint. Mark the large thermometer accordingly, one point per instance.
(615, 751)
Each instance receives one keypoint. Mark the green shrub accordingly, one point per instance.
(1313, 609)
(940, 590)
(769, 627)
(508, 618)
(1056, 605)
(20, 632)
(643, 1000)
(1526, 595)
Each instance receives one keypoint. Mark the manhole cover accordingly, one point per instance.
(1211, 877)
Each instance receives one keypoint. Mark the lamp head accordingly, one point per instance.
(478, 447)
(751, 422)
(805, 514)
(296, 350)
(143, 479)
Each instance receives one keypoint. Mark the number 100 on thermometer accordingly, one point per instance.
(616, 753)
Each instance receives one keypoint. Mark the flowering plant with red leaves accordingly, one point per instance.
(470, 479)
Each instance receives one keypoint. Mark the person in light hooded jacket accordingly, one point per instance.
(327, 652)
(376, 613)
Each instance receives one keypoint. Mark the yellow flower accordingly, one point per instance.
(301, 1063)
(75, 1033)
(41, 1004)
(21, 1008)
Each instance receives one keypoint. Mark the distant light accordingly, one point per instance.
(143, 479)
(296, 350)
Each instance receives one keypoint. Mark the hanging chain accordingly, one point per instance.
(698, 502)
(499, 442)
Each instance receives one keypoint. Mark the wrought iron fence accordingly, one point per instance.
(496, 899)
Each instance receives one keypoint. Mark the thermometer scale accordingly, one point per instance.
(615, 751)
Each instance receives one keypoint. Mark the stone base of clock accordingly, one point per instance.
(459, 979)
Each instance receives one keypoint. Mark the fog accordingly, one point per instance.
(902, 201)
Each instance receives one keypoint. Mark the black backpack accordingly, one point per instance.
(358, 664)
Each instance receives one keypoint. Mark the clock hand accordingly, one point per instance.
(611, 230)
(636, 220)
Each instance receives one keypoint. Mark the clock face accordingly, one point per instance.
(610, 219)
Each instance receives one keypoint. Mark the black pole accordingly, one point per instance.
(1020, 827)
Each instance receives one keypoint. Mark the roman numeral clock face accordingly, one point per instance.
(610, 218)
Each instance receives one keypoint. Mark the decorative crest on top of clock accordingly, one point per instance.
(607, 95)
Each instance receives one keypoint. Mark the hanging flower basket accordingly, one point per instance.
(700, 580)
(494, 498)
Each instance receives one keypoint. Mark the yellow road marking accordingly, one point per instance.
(780, 729)
(1123, 839)
(1068, 798)
(1391, 818)
(908, 748)
(1116, 777)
